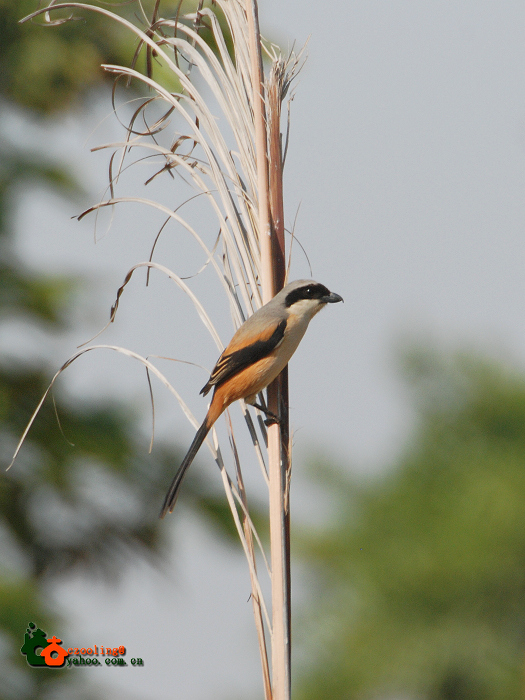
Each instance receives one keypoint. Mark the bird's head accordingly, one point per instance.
(307, 297)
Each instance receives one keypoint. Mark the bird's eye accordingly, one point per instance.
(309, 291)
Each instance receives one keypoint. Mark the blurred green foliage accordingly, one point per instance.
(83, 491)
(46, 69)
(421, 577)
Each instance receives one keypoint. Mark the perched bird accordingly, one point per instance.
(255, 356)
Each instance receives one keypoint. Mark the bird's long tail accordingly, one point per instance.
(173, 492)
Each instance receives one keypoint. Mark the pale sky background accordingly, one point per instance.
(407, 160)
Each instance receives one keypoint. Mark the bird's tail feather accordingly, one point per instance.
(173, 492)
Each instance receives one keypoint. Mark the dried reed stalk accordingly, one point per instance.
(244, 189)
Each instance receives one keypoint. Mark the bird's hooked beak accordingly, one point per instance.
(332, 298)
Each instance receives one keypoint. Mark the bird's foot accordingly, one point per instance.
(271, 418)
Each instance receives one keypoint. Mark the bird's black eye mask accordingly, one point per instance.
(309, 291)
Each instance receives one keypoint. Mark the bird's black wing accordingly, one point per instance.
(228, 365)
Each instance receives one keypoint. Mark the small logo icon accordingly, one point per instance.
(51, 654)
